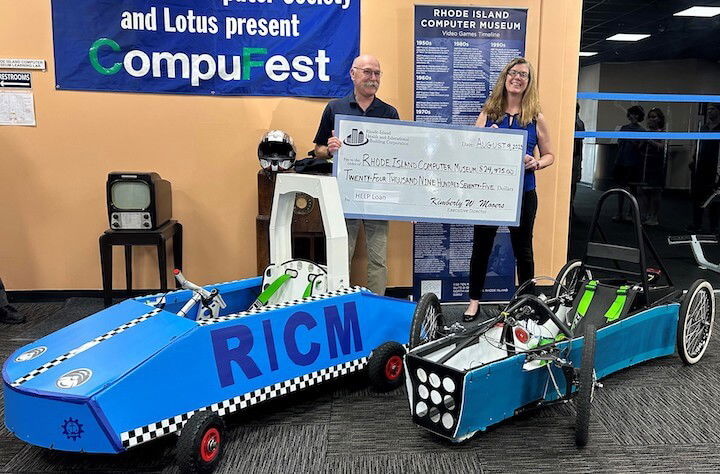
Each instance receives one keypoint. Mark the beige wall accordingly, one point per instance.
(52, 176)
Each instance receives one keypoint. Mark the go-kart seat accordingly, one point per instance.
(600, 304)
(290, 281)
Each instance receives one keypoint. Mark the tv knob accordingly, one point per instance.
(146, 216)
(146, 224)
(116, 224)
(115, 216)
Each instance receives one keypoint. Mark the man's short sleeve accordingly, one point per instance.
(394, 113)
(325, 128)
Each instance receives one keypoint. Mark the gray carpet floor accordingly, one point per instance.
(659, 416)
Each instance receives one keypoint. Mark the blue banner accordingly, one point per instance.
(459, 53)
(301, 48)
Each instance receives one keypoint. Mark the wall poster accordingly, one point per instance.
(459, 53)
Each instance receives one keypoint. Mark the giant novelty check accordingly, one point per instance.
(412, 171)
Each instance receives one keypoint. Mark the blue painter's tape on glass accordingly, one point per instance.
(648, 97)
(651, 135)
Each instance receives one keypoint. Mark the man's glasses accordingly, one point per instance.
(369, 72)
(521, 74)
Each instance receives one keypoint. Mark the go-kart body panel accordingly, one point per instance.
(59, 422)
(493, 392)
(152, 369)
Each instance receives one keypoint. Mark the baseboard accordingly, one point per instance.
(39, 296)
(42, 296)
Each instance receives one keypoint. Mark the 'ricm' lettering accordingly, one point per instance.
(303, 343)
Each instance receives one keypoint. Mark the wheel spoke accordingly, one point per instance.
(429, 325)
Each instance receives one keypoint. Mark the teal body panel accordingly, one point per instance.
(494, 392)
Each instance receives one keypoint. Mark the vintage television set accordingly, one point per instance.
(138, 200)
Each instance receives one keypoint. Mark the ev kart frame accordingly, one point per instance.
(538, 350)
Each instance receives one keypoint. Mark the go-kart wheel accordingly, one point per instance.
(584, 397)
(568, 278)
(200, 448)
(427, 320)
(385, 367)
(695, 322)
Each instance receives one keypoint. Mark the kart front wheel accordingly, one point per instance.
(569, 278)
(427, 320)
(584, 397)
(695, 322)
(385, 367)
(200, 448)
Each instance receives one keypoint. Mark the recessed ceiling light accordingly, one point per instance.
(627, 37)
(704, 12)
(586, 54)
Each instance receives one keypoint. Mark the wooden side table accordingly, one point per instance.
(129, 238)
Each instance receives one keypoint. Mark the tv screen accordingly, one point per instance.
(130, 195)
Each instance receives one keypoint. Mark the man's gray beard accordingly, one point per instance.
(371, 84)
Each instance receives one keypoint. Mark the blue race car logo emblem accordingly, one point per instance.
(31, 354)
(74, 378)
(72, 429)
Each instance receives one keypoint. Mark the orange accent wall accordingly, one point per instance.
(52, 176)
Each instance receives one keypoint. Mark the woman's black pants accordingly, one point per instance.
(521, 238)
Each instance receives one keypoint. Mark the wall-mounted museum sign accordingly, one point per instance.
(222, 47)
(20, 63)
(459, 52)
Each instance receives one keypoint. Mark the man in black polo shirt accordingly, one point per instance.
(365, 74)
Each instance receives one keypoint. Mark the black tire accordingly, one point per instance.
(695, 322)
(586, 389)
(427, 320)
(568, 277)
(385, 367)
(200, 446)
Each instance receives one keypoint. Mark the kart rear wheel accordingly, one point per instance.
(385, 366)
(586, 389)
(695, 322)
(569, 278)
(427, 320)
(200, 448)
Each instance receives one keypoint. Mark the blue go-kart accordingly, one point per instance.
(174, 364)
(607, 311)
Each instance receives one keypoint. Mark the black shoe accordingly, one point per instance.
(10, 315)
(468, 318)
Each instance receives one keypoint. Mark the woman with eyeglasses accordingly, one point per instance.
(514, 104)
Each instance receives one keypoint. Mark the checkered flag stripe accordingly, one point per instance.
(287, 304)
(174, 424)
(78, 350)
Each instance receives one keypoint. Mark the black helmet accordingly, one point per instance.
(276, 151)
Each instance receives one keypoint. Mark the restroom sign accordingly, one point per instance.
(15, 80)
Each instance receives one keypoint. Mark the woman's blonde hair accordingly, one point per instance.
(496, 104)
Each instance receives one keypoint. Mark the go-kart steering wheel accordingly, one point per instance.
(538, 305)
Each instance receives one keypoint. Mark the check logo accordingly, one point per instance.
(356, 138)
